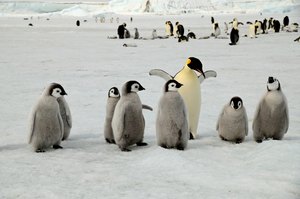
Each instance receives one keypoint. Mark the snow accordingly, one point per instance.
(98, 7)
(88, 64)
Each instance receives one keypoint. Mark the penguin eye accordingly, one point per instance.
(136, 86)
(239, 104)
(57, 91)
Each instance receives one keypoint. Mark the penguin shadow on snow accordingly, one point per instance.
(13, 147)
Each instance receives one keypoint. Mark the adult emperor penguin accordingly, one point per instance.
(128, 122)
(46, 124)
(112, 100)
(66, 116)
(232, 124)
(191, 91)
(234, 34)
(169, 28)
(251, 30)
(171, 122)
(271, 119)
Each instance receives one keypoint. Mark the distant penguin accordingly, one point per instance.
(234, 34)
(217, 30)
(270, 24)
(179, 29)
(212, 19)
(258, 25)
(232, 124)
(154, 34)
(121, 31)
(171, 122)
(136, 33)
(128, 122)
(169, 28)
(251, 30)
(264, 26)
(276, 24)
(77, 23)
(30, 24)
(127, 34)
(66, 116)
(271, 119)
(191, 35)
(46, 124)
(112, 100)
(225, 28)
(286, 21)
(183, 38)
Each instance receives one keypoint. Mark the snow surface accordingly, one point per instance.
(99, 7)
(87, 64)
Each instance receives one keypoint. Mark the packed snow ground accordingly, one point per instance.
(87, 64)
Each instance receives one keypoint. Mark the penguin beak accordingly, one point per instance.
(63, 92)
(141, 88)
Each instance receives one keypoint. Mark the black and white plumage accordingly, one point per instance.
(271, 119)
(179, 29)
(112, 100)
(46, 124)
(171, 123)
(234, 34)
(128, 122)
(66, 116)
(232, 124)
(136, 33)
(169, 28)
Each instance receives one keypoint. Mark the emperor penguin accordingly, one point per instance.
(171, 122)
(128, 122)
(191, 91)
(136, 33)
(169, 28)
(216, 31)
(46, 125)
(286, 21)
(276, 25)
(232, 124)
(251, 30)
(234, 34)
(271, 119)
(179, 29)
(191, 35)
(112, 100)
(66, 116)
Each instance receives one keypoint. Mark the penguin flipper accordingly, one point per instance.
(62, 103)
(208, 73)
(161, 73)
(144, 106)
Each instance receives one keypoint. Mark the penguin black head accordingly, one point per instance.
(216, 26)
(212, 20)
(56, 90)
(236, 103)
(172, 85)
(273, 84)
(133, 86)
(113, 92)
(195, 64)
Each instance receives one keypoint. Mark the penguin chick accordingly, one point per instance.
(171, 123)
(65, 115)
(232, 124)
(271, 119)
(46, 124)
(128, 122)
(112, 100)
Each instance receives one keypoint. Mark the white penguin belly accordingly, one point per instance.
(191, 94)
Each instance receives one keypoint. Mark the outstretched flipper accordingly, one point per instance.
(166, 76)
(161, 73)
(144, 106)
(209, 73)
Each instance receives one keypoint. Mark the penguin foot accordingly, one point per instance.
(180, 147)
(141, 144)
(232, 44)
(110, 141)
(57, 147)
(125, 150)
(191, 136)
(164, 146)
(40, 151)
(238, 141)
(258, 141)
(222, 138)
